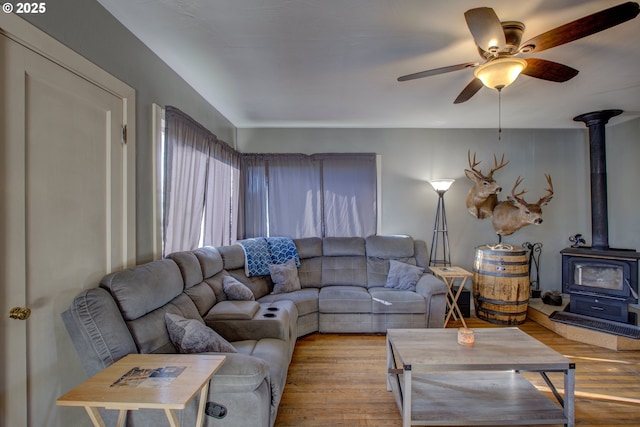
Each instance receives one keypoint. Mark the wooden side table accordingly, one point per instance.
(450, 275)
(147, 381)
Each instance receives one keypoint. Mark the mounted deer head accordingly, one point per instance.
(482, 196)
(511, 215)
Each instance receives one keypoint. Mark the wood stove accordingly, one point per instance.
(601, 281)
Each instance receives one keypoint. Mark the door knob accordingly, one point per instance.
(20, 313)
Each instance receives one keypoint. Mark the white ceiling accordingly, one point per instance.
(334, 63)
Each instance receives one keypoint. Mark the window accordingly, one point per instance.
(201, 186)
(310, 196)
(213, 194)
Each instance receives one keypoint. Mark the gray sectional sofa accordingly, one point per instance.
(342, 290)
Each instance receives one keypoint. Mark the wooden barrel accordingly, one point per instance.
(501, 284)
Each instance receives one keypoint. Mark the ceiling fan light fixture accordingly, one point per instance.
(500, 72)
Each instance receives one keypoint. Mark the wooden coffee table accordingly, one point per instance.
(154, 381)
(436, 381)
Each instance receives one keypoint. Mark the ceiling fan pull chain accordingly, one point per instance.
(499, 114)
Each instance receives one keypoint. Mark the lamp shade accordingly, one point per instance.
(500, 72)
(441, 185)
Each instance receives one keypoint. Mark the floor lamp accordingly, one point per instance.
(440, 233)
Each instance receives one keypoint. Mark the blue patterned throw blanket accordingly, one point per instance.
(260, 252)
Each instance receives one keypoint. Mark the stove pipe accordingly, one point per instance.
(596, 122)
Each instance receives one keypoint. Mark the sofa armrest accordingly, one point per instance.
(265, 322)
(240, 373)
(429, 285)
(434, 291)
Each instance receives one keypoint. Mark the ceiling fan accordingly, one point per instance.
(499, 44)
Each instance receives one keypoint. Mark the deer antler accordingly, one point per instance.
(547, 198)
(472, 165)
(516, 196)
(497, 166)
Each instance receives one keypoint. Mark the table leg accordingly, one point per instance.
(173, 418)
(389, 363)
(203, 401)
(569, 395)
(122, 418)
(457, 297)
(452, 300)
(95, 416)
(406, 401)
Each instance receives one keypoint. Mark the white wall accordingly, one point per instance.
(86, 27)
(410, 157)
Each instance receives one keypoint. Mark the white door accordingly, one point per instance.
(65, 221)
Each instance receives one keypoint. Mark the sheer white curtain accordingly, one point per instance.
(255, 193)
(187, 156)
(349, 194)
(294, 197)
(221, 201)
(310, 196)
(201, 186)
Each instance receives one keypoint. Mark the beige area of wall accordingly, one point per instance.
(410, 157)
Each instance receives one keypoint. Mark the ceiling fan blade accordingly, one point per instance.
(548, 70)
(582, 27)
(471, 89)
(437, 71)
(485, 28)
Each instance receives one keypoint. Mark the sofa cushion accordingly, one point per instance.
(344, 299)
(403, 276)
(193, 336)
(421, 253)
(203, 297)
(232, 310)
(232, 256)
(400, 302)
(390, 247)
(285, 277)
(189, 266)
(210, 261)
(343, 246)
(382, 249)
(140, 290)
(309, 247)
(150, 331)
(344, 270)
(310, 272)
(236, 290)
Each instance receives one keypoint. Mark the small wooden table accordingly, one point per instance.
(149, 381)
(449, 275)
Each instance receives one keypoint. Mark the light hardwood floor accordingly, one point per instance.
(339, 380)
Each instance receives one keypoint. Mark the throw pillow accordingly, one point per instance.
(235, 290)
(193, 336)
(403, 276)
(285, 277)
